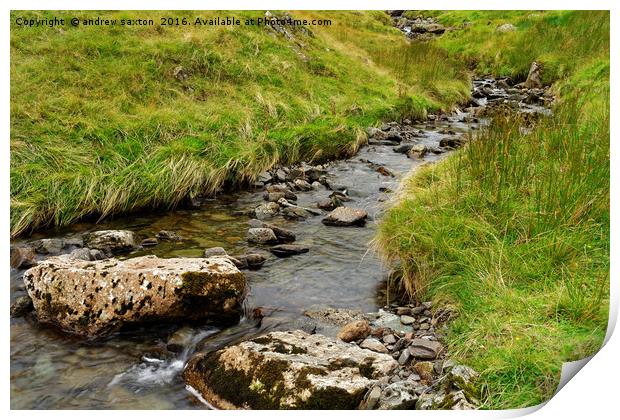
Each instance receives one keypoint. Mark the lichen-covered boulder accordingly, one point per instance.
(283, 370)
(94, 298)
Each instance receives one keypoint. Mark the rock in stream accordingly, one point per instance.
(95, 298)
(284, 370)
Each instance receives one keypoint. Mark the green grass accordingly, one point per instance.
(513, 230)
(100, 125)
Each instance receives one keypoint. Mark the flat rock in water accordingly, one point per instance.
(266, 210)
(288, 250)
(284, 370)
(110, 240)
(48, 246)
(253, 261)
(283, 235)
(168, 235)
(262, 236)
(346, 216)
(296, 213)
(95, 298)
(388, 320)
(149, 242)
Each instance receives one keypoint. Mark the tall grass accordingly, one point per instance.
(102, 123)
(513, 230)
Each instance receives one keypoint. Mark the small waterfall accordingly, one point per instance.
(152, 371)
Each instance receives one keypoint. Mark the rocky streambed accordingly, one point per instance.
(264, 298)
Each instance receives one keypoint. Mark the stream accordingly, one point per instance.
(134, 370)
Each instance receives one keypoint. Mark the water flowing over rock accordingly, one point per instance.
(284, 370)
(96, 298)
(216, 251)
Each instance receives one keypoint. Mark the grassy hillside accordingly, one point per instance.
(107, 120)
(513, 230)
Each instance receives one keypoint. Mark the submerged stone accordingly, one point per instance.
(288, 250)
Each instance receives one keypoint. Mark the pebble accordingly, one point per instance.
(403, 311)
(389, 339)
(404, 357)
(407, 320)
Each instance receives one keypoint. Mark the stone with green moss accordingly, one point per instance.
(286, 370)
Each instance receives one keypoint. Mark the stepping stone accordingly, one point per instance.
(288, 250)
(346, 216)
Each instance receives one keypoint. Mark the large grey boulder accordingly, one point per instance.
(284, 370)
(110, 240)
(94, 298)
